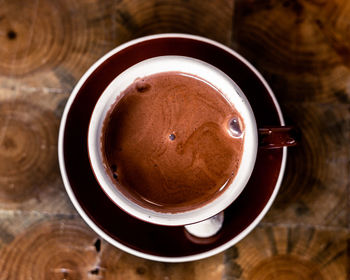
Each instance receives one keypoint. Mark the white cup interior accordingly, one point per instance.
(229, 90)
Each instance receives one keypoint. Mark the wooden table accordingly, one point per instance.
(301, 47)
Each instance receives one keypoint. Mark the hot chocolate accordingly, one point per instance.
(166, 142)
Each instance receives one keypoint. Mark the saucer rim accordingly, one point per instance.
(100, 231)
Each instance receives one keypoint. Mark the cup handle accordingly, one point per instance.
(277, 137)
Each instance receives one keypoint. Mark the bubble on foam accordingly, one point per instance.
(172, 136)
(235, 127)
(142, 86)
(114, 172)
(115, 176)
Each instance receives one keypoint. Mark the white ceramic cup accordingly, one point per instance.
(230, 91)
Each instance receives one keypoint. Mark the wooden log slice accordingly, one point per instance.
(116, 265)
(300, 46)
(314, 189)
(286, 268)
(288, 253)
(56, 249)
(28, 150)
(63, 36)
(33, 36)
(211, 19)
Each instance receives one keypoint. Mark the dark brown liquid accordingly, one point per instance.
(166, 143)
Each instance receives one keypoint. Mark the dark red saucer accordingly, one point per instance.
(135, 236)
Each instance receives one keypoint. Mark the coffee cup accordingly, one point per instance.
(253, 138)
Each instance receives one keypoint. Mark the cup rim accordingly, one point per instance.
(91, 222)
(216, 78)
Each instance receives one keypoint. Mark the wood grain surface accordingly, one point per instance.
(302, 47)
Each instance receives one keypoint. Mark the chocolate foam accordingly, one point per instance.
(166, 143)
